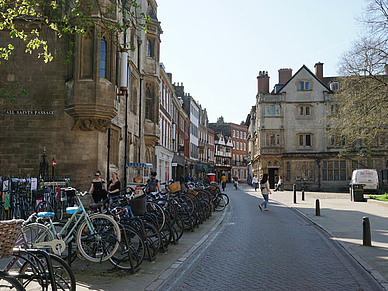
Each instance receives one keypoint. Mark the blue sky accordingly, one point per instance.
(217, 47)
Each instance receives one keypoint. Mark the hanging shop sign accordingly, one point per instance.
(29, 112)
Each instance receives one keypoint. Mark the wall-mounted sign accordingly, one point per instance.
(29, 112)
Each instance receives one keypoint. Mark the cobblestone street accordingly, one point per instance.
(269, 250)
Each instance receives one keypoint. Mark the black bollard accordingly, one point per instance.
(366, 236)
(317, 208)
(294, 188)
(303, 195)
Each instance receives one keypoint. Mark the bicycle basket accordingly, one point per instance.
(174, 187)
(138, 205)
(9, 233)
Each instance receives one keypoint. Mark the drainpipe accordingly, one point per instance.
(140, 97)
(107, 166)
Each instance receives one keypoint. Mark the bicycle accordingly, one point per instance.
(32, 269)
(97, 235)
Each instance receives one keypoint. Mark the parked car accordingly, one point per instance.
(367, 177)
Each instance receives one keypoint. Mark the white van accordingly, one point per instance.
(368, 177)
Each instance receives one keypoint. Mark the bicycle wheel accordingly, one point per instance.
(221, 202)
(7, 282)
(226, 198)
(131, 251)
(154, 238)
(64, 276)
(34, 233)
(102, 242)
(153, 207)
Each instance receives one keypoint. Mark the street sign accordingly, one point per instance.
(54, 163)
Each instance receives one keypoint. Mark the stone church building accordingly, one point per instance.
(75, 111)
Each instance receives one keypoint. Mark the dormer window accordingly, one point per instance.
(304, 85)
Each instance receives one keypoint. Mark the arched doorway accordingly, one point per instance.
(273, 167)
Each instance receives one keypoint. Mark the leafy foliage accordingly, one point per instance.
(27, 19)
(9, 95)
(64, 17)
(362, 112)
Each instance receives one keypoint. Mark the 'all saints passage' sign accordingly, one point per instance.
(29, 112)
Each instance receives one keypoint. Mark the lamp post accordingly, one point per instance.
(124, 91)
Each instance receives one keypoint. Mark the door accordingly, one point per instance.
(273, 177)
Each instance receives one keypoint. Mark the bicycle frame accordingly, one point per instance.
(60, 240)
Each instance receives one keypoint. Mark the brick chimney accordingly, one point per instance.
(263, 82)
(319, 70)
(386, 69)
(284, 75)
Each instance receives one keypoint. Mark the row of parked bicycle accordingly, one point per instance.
(126, 230)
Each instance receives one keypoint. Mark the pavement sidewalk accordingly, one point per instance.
(342, 219)
(102, 276)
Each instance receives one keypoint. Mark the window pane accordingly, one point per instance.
(307, 85)
(307, 110)
(301, 110)
(301, 86)
(102, 58)
(324, 175)
(272, 110)
(343, 175)
(336, 175)
(267, 110)
(330, 175)
(308, 140)
(301, 140)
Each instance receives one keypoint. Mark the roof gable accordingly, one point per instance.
(297, 73)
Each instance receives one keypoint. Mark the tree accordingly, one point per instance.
(26, 20)
(362, 112)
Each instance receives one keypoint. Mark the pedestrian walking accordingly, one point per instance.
(280, 182)
(265, 191)
(223, 181)
(255, 182)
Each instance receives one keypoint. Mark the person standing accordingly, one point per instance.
(280, 182)
(255, 181)
(153, 186)
(98, 188)
(114, 186)
(265, 191)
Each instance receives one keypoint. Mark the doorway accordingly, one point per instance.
(273, 177)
